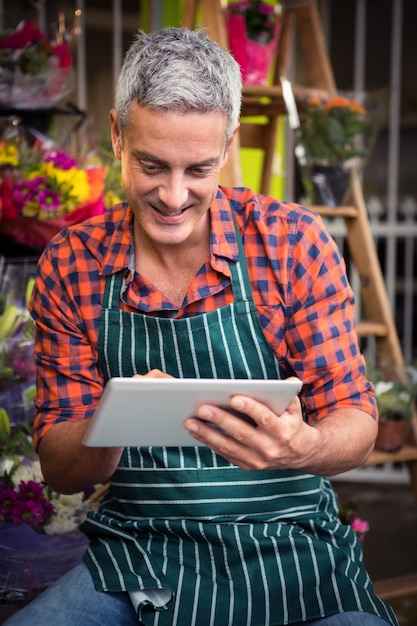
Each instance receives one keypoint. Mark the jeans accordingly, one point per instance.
(74, 600)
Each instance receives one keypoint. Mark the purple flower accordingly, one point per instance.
(49, 200)
(27, 505)
(19, 357)
(31, 489)
(60, 159)
(23, 369)
(27, 190)
(28, 512)
(7, 499)
(267, 8)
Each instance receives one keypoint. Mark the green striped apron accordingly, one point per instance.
(208, 543)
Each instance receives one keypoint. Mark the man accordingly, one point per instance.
(243, 530)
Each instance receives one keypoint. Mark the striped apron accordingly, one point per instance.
(212, 544)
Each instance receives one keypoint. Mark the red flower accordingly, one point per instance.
(28, 34)
(62, 51)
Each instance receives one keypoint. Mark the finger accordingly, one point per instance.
(261, 415)
(155, 373)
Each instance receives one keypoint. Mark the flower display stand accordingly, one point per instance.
(303, 19)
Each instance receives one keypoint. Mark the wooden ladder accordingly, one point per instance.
(266, 101)
(303, 19)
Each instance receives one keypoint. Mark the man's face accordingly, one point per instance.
(170, 168)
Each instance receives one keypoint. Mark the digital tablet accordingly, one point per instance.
(151, 411)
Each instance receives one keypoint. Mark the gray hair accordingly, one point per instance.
(179, 69)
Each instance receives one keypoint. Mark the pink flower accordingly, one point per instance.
(62, 52)
(359, 525)
(49, 200)
(61, 159)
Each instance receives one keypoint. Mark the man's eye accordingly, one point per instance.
(200, 171)
(150, 167)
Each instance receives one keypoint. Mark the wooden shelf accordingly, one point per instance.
(399, 587)
(344, 212)
(407, 453)
(372, 329)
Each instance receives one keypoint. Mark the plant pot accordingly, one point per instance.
(391, 434)
(326, 185)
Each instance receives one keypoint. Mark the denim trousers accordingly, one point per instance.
(74, 600)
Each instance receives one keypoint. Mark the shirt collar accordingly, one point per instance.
(119, 240)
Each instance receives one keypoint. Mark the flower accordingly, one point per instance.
(334, 131)
(25, 498)
(47, 183)
(43, 190)
(394, 400)
(347, 514)
(260, 18)
(360, 526)
(395, 397)
(33, 71)
(31, 51)
(16, 339)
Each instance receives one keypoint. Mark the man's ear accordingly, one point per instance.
(116, 139)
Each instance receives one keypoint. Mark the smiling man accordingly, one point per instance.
(190, 279)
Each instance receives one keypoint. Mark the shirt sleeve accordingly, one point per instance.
(321, 334)
(69, 383)
(313, 332)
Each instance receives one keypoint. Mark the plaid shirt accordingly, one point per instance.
(299, 284)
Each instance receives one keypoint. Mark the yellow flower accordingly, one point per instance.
(9, 155)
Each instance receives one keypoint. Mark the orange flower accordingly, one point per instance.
(338, 101)
(343, 103)
(314, 101)
(357, 108)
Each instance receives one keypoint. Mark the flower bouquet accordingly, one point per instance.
(335, 135)
(39, 536)
(34, 73)
(44, 190)
(17, 369)
(253, 29)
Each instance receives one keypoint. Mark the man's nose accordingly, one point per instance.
(173, 192)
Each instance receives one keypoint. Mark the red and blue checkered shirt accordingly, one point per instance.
(303, 299)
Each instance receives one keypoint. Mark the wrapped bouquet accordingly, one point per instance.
(34, 73)
(43, 190)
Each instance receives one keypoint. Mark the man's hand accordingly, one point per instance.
(340, 441)
(263, 441)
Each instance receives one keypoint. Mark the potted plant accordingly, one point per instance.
(395, 406)
(335, 135)
(253, 30)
